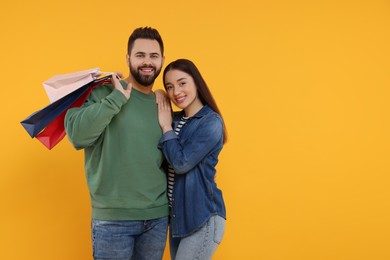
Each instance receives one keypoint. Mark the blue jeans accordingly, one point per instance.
(125, 240)
(202, 244)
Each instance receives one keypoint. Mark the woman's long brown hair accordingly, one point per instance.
(204, 93)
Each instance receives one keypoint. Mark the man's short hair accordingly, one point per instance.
(145, 33)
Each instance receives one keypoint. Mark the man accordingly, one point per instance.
(118, 129)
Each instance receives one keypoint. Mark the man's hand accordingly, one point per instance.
(117, 85)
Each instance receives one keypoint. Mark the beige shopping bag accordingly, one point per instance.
(60, 85)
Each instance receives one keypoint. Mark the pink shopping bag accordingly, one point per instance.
(60, 85)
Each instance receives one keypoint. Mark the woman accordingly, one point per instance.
(191, 146)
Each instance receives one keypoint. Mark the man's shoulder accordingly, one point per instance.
(100, 91)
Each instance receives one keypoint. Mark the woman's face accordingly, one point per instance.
(182, 91)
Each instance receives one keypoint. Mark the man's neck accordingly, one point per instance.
(144, 89)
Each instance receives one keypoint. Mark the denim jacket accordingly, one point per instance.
(193, 155)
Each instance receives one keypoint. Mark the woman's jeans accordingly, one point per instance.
(200, 245)
(139, 240)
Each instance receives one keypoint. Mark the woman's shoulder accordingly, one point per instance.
(210, 120)
(208, 113)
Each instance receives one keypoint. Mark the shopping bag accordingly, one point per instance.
(37, 121)
(59, 86)
(55, 131)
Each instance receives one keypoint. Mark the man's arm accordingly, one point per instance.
(84, 125)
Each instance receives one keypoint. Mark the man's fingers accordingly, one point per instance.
(118, 74)
(129, 87)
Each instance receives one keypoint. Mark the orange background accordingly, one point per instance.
(304, 89)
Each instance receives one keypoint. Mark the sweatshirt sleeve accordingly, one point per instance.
(84, 125)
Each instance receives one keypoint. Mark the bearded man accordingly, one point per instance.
(118, 129)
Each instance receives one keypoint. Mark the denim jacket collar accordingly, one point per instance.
(202, 112)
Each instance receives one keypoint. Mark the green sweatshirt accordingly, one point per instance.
(122, 161)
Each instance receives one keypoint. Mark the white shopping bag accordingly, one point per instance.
(61, 85)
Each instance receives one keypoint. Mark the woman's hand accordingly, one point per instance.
(160, 95)
(164, 112)
(117, 85)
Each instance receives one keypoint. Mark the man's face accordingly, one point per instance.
(145, 61)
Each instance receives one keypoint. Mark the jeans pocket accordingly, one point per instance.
(219, 228)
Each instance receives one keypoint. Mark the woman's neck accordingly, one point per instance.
(193, 108)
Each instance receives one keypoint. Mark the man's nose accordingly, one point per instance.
(147, 61)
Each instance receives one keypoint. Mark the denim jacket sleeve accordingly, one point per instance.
(185, 154)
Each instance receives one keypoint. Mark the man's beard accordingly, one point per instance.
(144, 80)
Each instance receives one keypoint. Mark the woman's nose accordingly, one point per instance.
(176, 90)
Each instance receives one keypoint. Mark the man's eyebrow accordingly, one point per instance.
(144, 53)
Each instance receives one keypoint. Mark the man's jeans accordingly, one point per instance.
(126, 240)
(200, 245)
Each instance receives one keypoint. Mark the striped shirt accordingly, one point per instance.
(171, 172)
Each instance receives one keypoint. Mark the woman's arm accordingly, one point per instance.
(183, 157)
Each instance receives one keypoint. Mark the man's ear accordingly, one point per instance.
(162, 62)
(128, 60)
